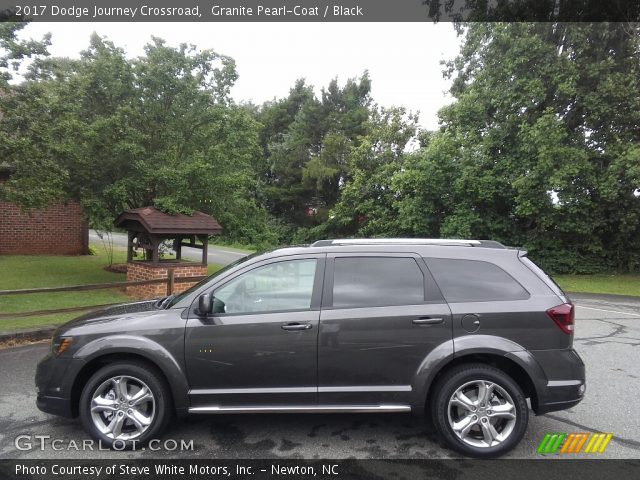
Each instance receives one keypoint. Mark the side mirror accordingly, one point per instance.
(205, 304)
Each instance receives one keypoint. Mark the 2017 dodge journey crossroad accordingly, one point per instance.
(463, 331)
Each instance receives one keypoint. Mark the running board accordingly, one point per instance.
(304, 409)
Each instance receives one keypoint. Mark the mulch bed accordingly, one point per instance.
(116, 268)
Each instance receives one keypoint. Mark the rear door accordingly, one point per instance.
(381, 316)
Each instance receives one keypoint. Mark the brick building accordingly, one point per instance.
(59, 229)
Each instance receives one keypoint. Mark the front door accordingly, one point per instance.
(382, 315)
(260, 349)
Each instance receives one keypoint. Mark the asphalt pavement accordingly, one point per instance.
(607, 338)
(221, 256)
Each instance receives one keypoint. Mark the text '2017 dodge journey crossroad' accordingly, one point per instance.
(464, 331)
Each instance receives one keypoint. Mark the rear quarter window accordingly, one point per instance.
(549, 282)
(474, 281)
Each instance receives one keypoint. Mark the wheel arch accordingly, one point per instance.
(498, 352)
(134, 350)
(504, 363)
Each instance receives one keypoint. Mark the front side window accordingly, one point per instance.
(377, 282)
(280, 286)
(474, 281)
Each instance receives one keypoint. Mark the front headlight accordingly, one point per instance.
(60, 344)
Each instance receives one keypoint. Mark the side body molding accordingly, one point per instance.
(152, 351)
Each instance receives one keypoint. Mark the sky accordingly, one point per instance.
(403, 59)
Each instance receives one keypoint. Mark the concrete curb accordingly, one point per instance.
(25, 335)
(603, 296)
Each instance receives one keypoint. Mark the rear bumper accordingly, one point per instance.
(565, 385)
(560, 397)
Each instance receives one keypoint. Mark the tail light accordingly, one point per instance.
(564, 316)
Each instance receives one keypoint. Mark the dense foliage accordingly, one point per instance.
(540, 149)
(117, 133)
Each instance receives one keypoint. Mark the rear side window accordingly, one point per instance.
(550, 282)
(474, 281)
(377, 282)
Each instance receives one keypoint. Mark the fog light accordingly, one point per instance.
(581, 389)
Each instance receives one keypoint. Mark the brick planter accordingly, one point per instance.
(148, 271)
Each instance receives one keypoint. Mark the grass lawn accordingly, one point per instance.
(233, 246)
(26, 271)
(615, 283)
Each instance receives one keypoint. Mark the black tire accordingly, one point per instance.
(466, 375)
(162, 407)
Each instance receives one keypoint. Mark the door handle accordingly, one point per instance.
(427, 320)
(296, 326)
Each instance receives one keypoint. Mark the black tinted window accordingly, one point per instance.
(377, 282)
(474, 281)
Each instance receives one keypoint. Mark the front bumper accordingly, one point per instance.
(566, 383)
(54, 384)
(55, 406)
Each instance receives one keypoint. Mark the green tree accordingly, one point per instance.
(542, 144)
(533, 10)
(14, 51)
(119, 133)
(280, 166)
(368, 199)
(306, 141)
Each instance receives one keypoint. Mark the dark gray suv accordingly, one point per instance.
(464, 331)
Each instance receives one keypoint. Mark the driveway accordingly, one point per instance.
(221, 256)
(607, 338)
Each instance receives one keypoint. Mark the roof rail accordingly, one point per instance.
(408, 241)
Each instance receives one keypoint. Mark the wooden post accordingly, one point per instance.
(171, 280)
(205, 249)
(178, 248)
(130, 237)
(155, 255)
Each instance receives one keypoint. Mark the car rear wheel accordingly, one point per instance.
(125, 405)
(479, 411)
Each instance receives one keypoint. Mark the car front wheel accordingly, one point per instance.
(480, 411)
(125, 404)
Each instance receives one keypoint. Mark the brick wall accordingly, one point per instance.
(59, 229)
(146, 271)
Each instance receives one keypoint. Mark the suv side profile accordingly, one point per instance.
(462, 331)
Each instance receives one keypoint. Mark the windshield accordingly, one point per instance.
(174, 299)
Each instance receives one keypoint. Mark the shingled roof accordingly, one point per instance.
(153, 221)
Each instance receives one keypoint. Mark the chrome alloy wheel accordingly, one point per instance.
(123, 407)
(481, 413)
